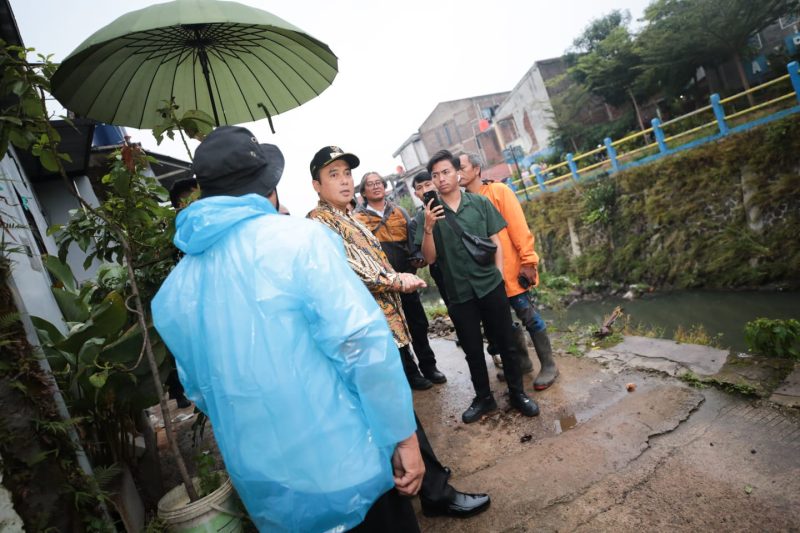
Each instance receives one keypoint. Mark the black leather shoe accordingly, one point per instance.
(479, 407)
(461, 505)
(523, 404)
(419, 382)
(434, 376)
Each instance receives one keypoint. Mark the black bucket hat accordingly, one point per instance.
(231, 162)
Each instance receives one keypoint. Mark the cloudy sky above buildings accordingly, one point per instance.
(397, 60)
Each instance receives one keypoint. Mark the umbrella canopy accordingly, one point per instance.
(234, 62)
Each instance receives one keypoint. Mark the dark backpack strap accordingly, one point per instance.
(451, 219)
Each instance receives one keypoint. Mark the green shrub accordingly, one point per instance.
(774, 338)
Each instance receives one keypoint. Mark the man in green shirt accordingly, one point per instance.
(476, 292)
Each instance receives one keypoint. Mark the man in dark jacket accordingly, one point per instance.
(389, 223)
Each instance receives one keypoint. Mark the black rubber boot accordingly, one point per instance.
(549, 372)
(525, 363)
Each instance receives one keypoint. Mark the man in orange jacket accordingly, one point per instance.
(520, 262)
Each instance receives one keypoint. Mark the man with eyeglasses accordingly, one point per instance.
(389, 223)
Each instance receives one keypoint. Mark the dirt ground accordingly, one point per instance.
(600, 458)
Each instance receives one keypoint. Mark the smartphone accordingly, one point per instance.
(431, 195)
(523, 282)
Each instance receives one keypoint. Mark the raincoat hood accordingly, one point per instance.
(205, 221)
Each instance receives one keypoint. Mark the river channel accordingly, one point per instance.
(723, 313)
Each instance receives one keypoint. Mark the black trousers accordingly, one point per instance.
(418, 326)
(494, 313)
(393, 512)
(435, 486)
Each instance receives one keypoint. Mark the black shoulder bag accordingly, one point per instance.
(482, 249)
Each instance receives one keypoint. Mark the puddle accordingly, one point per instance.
(566, 422)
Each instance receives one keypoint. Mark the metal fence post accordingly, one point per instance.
(659, 133)
(794, 74)
(612, 155)
(539, 178)
(719, 113)
(573, 167)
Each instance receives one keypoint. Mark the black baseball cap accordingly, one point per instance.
(329, 154)
(231, 162)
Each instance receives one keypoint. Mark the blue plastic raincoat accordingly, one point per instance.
(282, 346)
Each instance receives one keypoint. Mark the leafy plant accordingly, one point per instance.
(196, 124)
(136, 205)
(24, 118)
(98, 362)
(697, 334)
(210, 477)
(599, 203)
(7, 324)
(774, 338)
(407, 203)
(26, 124)
(693, 379)
(435, 311)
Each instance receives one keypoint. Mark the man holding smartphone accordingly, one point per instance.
(423, 186)
(520, 263)
(476, 291)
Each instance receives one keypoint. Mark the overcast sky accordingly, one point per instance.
(397, 60)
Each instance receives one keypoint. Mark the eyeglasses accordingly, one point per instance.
(373, 184)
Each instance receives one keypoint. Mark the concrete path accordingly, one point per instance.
(599, 458)
(788, 393)
(663, 355)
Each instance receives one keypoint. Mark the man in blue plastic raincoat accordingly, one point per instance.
(282, 346)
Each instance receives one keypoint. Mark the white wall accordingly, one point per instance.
(28, 274)
(10, 522)
(56, 204)
(530, 95)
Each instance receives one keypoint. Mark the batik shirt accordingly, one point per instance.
(367, 259)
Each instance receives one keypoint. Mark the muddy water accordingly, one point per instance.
(719, 312)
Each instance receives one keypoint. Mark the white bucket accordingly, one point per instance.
(215, 513)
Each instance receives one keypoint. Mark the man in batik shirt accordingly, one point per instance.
(331, 172)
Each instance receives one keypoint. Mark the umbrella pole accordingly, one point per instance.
(204, 64)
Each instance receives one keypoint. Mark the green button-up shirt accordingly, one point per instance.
(464, 279)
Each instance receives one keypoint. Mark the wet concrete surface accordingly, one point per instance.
(600, 458)
(663, 355)
(788, 393)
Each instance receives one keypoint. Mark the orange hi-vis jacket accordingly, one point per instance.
(516, 239)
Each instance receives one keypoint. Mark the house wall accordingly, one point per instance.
(56, 203)
(454, 125)
(414, 154)
(21, 208)
(529, 106)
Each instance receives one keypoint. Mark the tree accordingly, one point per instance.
(599, 29)
(26, 125)
(609, 63)
(682, 35)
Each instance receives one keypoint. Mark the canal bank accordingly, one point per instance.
(721, 313)
(723, 215)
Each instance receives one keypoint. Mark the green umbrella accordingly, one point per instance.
(234, 62)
